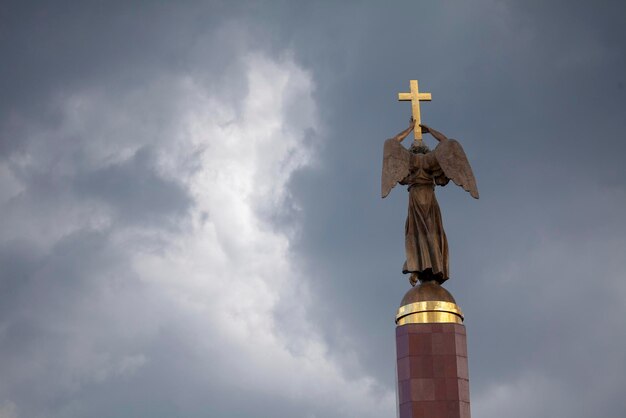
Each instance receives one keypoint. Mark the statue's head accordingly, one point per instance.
(418, 147)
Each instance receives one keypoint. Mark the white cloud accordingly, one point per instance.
(232, 268)
(219, 279)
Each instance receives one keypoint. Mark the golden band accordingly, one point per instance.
(429, 312)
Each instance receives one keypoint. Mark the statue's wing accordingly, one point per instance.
(453, 162)
(396, 165)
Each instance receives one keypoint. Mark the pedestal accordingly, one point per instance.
(433, 380)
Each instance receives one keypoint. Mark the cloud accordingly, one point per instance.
(137, 232)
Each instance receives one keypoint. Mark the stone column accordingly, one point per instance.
(433, 380)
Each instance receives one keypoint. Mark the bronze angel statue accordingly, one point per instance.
(421, 169)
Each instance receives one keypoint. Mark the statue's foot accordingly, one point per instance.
(413, 279)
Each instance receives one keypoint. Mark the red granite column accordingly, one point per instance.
(433, 380)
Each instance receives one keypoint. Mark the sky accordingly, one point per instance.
(191, 222)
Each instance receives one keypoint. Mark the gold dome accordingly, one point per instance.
(430, 290)
(428, 302)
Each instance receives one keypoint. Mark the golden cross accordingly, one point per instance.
(415, 96)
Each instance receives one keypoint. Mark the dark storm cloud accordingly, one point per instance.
(534, 91)
(19, 261)
(508, 81)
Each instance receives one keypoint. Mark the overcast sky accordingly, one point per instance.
(191, 222)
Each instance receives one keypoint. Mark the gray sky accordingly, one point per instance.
(191, 221)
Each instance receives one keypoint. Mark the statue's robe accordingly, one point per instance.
(425, 239)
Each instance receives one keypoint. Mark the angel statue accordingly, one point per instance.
(421, 169)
